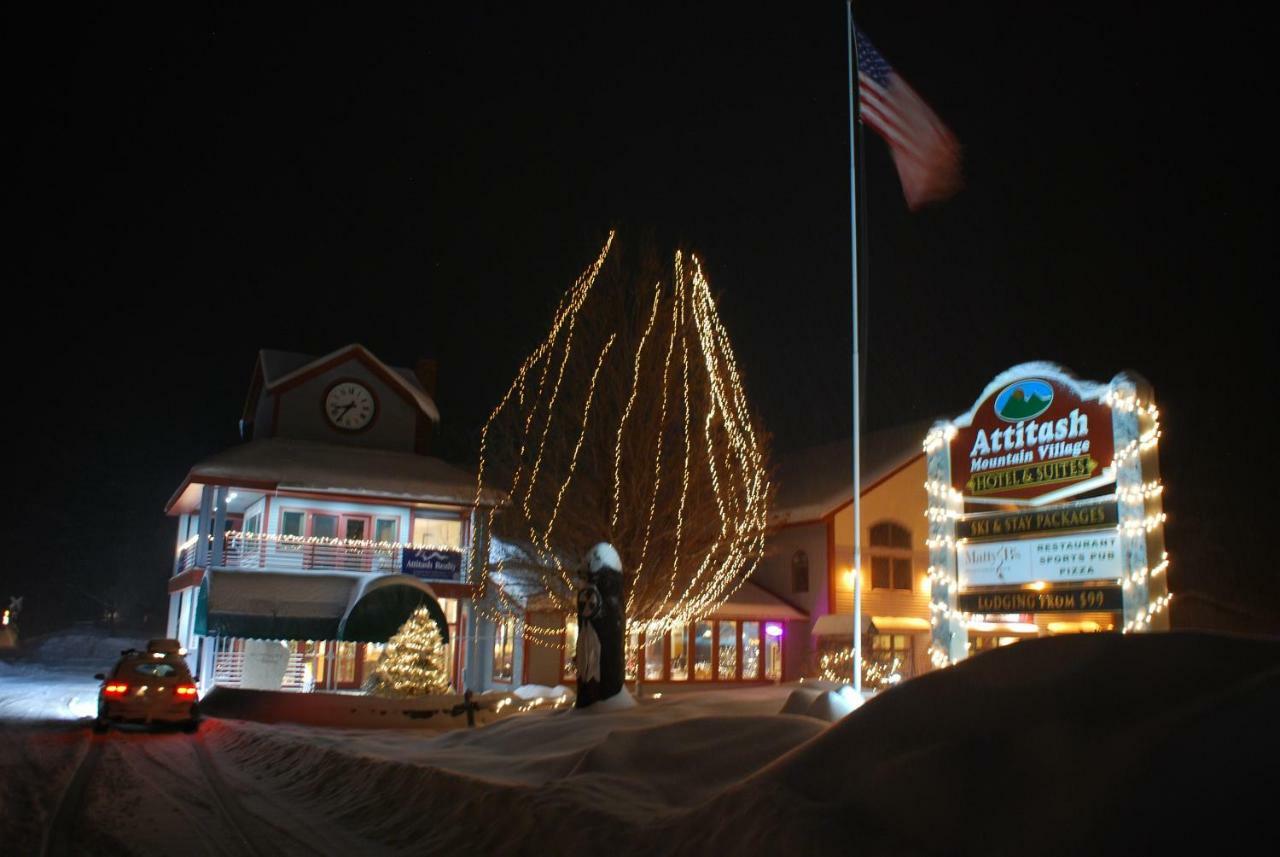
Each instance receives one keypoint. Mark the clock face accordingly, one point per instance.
(349, 405)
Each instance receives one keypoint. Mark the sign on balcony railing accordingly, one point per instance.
(270, 551)
(432, 563)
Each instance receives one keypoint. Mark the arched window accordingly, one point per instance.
(799, 572)
(890, 556)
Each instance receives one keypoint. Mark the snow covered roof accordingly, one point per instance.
(299, 465)
(816, 481)
(753, 601)
(281, 368)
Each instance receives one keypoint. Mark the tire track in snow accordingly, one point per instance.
(237, 818)
(64, 821)
(165, 767)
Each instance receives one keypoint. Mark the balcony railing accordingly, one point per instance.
(251, 551)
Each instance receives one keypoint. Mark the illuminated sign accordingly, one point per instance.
(1092, 598)
(1057, 559)
(1049, 519)
(1031, 437)
(1045, 497)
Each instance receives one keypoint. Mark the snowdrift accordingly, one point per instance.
(1090, 744)
(350, 710)
(1071, 745)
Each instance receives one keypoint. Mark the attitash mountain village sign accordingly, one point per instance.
(1045, 498)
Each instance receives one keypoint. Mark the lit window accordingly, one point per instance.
(437, 532)
(751, 650)
(702, 650)
(679, 652)
(570, 646)
(503, 649)
(727, 666)
(892, 652)
(633, 656)
(653, 656)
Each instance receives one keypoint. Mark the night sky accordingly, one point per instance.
(196, 184)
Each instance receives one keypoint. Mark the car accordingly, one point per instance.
(149, 687)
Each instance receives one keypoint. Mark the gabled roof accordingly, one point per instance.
(279, 370)
(816, 481)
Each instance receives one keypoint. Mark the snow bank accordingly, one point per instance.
(81, 647)
(541, 691)
(1085, 744)
(547, 782)
(354, 711)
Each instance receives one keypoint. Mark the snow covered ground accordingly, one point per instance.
(1101, 744)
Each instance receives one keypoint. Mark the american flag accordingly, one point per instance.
(924, 150)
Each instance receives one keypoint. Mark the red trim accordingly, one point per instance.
(874, 485)
(190, 577)
(356, 352)
(396, 501)
(846, 503)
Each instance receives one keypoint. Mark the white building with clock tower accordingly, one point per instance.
(302, 549)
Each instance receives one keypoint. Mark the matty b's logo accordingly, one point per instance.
(1023, 400)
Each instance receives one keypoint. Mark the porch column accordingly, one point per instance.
(204, 526)
(219, 524)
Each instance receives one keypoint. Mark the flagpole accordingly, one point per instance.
(857, 428)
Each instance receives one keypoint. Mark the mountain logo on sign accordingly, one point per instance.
(1023, 400)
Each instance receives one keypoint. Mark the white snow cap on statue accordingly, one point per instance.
(603, 555)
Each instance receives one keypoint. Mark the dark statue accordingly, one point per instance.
(601, 653)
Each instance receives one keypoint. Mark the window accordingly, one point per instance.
(372, 654)
(504, 633)
(773, 657)
(438, 532)
(679, 652)
(324, 526)
(253, 523)
(892, 652)
(653, 656)
(571, 646)
(702, 651)
(632, 666)
(751, 650)
(293, 523)
(384, 529)
(384, 532)
(159, 669)
(890, 556)
(799, 572)
(345, 656)
(727, 666)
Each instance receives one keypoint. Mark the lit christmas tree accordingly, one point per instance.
(413, 663)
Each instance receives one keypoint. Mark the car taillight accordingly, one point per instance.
(186, 690)
(115, 689)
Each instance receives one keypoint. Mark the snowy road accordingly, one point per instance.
(240, 788)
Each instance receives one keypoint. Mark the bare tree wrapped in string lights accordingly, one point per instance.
(628, 424)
